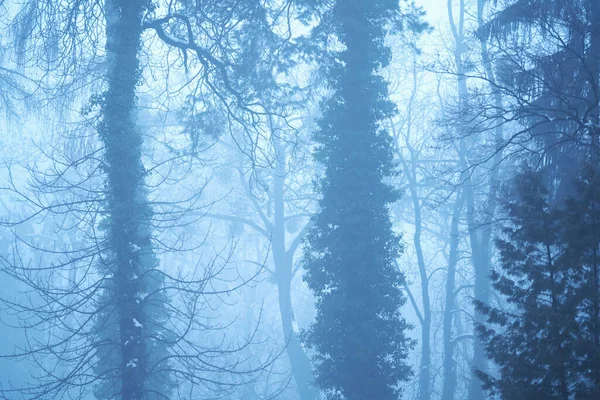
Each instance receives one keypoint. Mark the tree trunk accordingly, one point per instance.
(482, 257)
(130, 258)
(283, 260)
(478, 242)
(449, 384)
(425, 367)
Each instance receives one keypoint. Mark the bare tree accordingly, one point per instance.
(123, 328)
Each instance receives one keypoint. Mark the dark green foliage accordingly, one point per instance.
(545, 340)
(358, 335)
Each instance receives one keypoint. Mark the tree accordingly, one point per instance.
(359, 336)
(125, 354)
(534, 70)
(277, 207)
(125, 327)
(551, 87)
(131, 343)
(274, 180)
(410, 130)
(411, 172)
(544, 341)
(479, 176)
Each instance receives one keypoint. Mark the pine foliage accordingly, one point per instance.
(545, 339)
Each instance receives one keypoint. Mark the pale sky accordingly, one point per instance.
(436, 11)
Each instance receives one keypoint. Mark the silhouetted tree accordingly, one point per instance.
(545, 339)
(359, 335)
(547, 60)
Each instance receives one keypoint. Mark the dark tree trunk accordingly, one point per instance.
(130, 261)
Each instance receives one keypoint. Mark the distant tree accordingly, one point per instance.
(359, 336)
(545, 339)
(277, 207)
(478, 142)
(412, 137)
(547, 56)
(272, 168)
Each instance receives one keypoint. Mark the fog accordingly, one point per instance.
(299, 199)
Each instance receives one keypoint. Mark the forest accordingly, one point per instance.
(299, 199)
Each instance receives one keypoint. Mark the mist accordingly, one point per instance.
(299, 199)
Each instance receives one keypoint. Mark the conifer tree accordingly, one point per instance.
(359, 335)
(544, 340)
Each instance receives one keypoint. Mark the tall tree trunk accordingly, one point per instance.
(479, 226)
(481, 241)
(130, 258)
(410, 170)
(425, 367)
(477, 242)
(283, 260)
(449, 383)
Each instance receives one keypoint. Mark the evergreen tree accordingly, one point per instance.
(359, 334)
(544, 341)
(551, 83)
